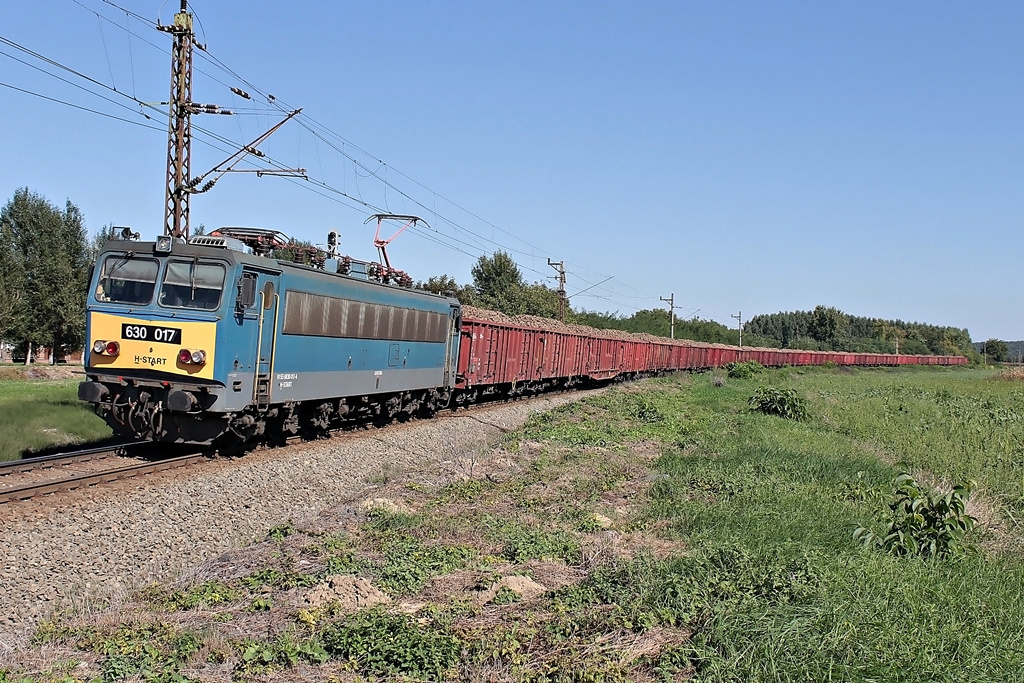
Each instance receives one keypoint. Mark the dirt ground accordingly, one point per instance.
(40, 372)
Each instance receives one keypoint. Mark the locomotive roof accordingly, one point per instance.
(234, 256)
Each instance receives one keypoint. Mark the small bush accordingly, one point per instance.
(923, 523)
(643, 410)
(381, 644)
(782, 402)
(744, 370)
(283, 651)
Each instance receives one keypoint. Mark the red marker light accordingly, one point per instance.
(184, 356)
(113, 348)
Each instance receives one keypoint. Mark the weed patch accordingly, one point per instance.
(784, 403)
(408, 563)
(744, 370)
(378, 643)
(923, 523)
(206, 594)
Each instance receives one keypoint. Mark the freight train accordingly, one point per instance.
(222, 339)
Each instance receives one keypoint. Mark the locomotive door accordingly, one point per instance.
(266, 340)
(450, 345)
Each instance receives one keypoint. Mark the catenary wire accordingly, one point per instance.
(477, 240)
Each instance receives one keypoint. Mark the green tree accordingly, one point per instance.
(497, 278)
(107, 232)
(49, 283)
(11, 283)
(539, 299)
(446, 284)
(997, 350)
(827, 324)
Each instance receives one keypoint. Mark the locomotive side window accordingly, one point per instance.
(125, 280)
(192, 284)
(316, 315)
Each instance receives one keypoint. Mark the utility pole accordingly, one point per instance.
(179, 131)
(671, 301)
(180, 183)
(739, 326)
(560, 267)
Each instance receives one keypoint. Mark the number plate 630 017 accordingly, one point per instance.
(151, 333)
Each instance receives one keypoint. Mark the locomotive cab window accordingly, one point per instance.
(126, 280)
(192, 284)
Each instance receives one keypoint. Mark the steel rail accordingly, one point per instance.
(85, 454)
(82, 480)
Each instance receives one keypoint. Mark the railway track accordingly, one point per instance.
(39, 476)
(32, 477)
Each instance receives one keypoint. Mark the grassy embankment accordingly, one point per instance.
(676, 536)
(39, 413)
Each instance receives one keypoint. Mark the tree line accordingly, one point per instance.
(45, 254)
(829, 329)
(498, 284)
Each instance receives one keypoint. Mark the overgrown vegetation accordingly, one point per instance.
(658, 532)
(784, 403)
(743, 369)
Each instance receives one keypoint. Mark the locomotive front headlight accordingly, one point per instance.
(184, 356)
(113, 348)
(99, 346)
(199, 357)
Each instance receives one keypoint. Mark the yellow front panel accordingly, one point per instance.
(154, 352)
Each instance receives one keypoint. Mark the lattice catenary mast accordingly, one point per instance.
(180, 183)
(179, 132)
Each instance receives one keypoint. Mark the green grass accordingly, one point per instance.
(779, 492)
(36, 414)
(743, 566)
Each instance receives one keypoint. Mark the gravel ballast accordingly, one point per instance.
(73, 549)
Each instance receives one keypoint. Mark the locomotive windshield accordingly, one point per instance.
(192, 284)
(127, 280)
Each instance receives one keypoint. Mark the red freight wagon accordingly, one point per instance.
(499, 353)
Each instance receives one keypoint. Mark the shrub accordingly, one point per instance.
(744, 370)
(923, 523)
(782, 402)
(383, 644)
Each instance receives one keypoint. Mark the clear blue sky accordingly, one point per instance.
(746, 156)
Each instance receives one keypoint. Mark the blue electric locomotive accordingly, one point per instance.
(210, 341)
